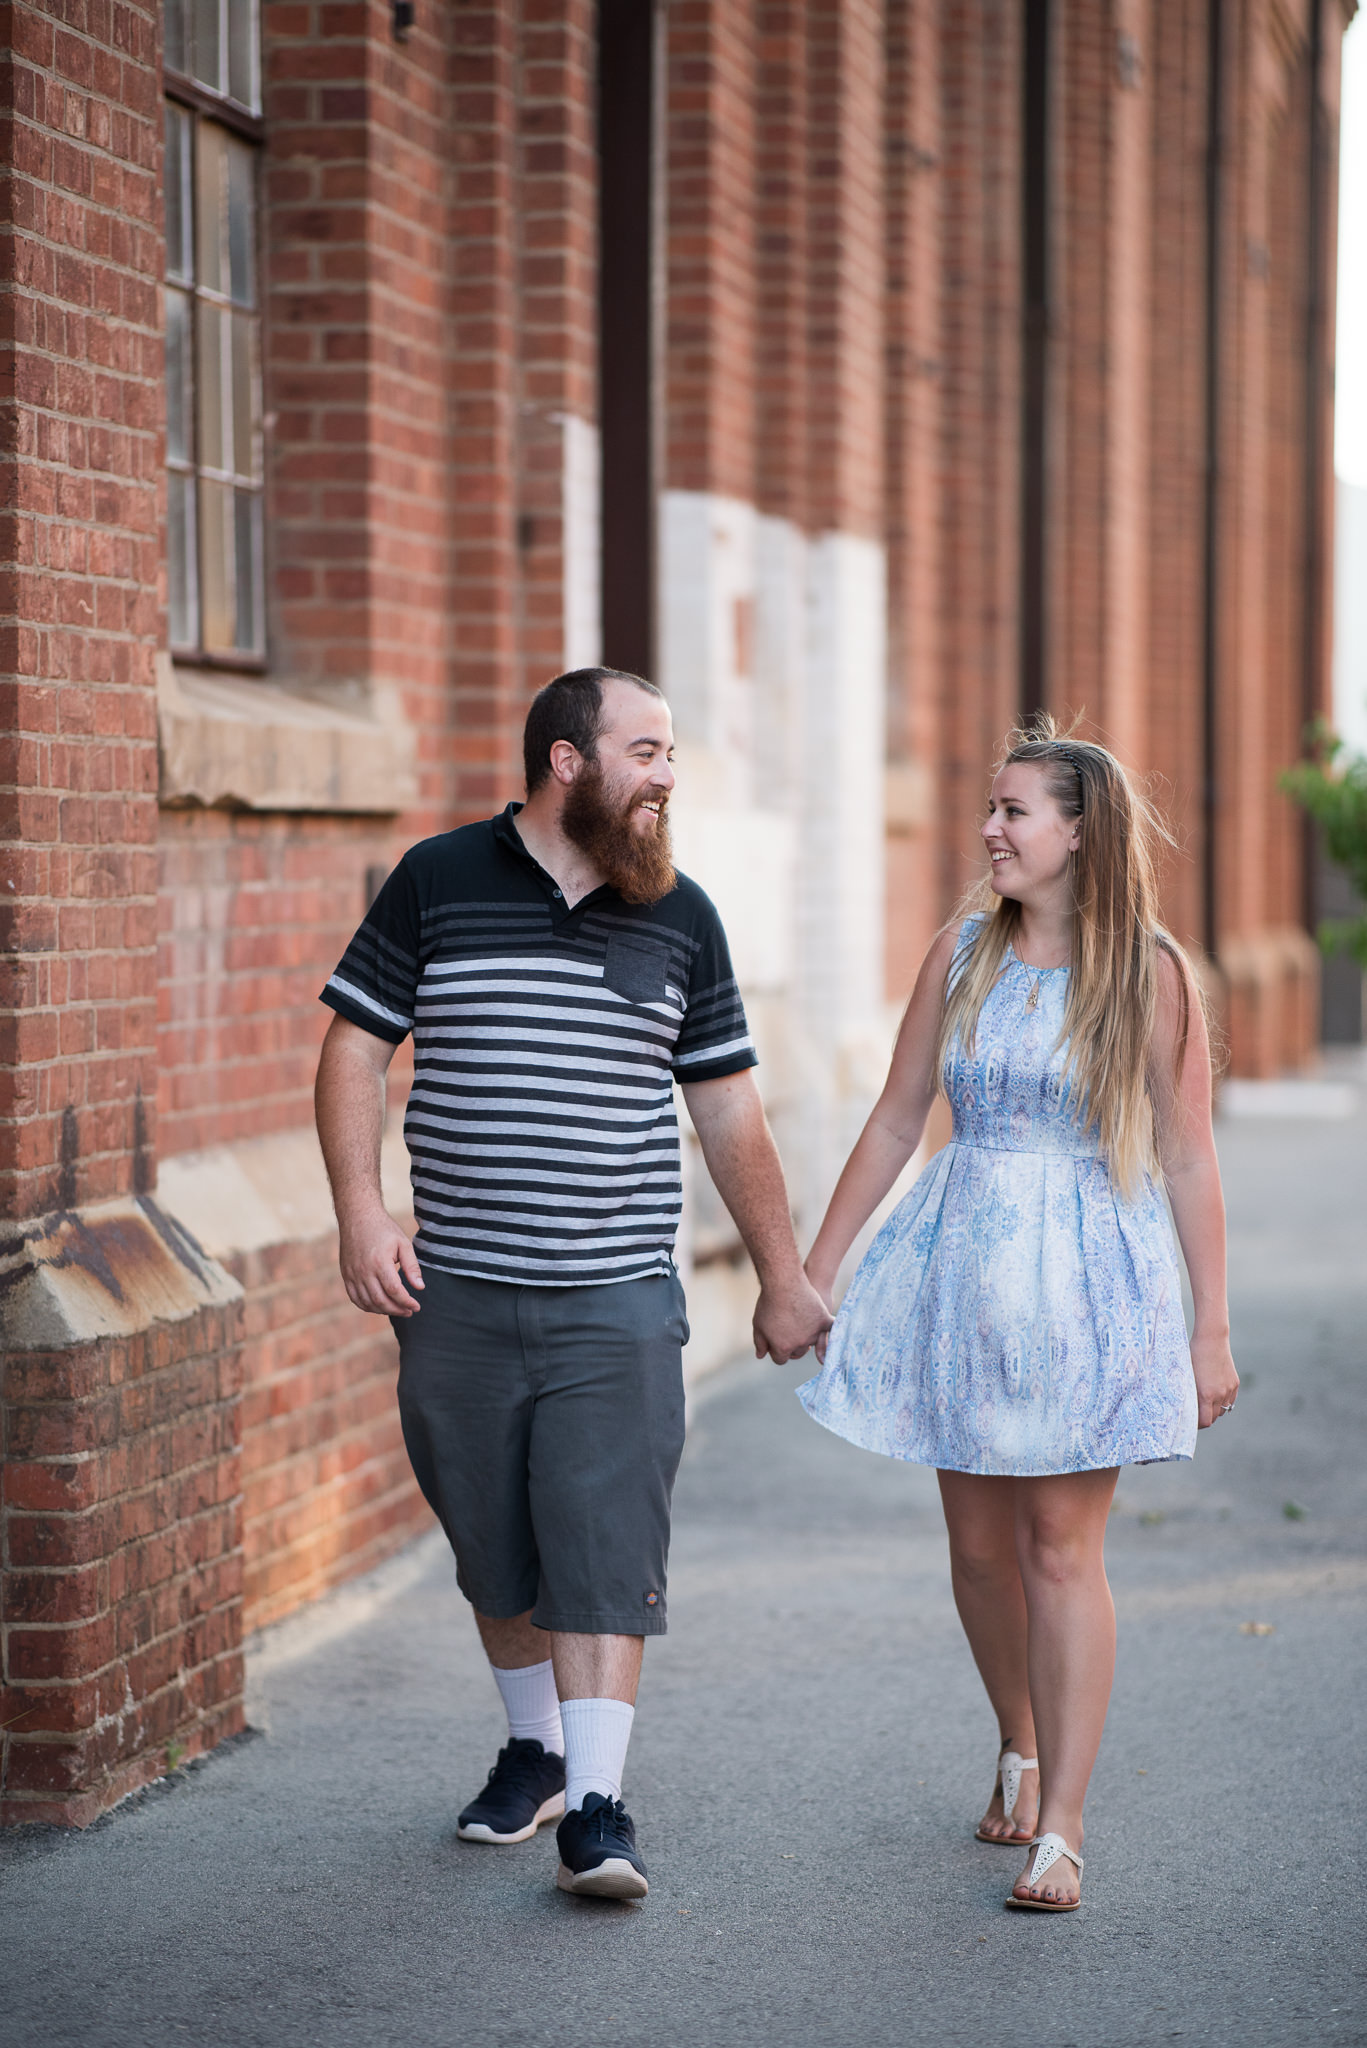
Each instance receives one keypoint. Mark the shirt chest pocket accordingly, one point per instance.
(635, 971)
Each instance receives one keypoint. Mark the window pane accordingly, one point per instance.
(216, 580)
(243, 81)
(179, 378)
(180, 255)
(174, 33)
(230, 559)
(182, 580)
(240, 166)
(215, 418)
(246, 389)
(247, 553)
(204, 55)
(225, 213)
(211, 178)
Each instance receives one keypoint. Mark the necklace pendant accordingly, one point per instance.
(1032, 1000)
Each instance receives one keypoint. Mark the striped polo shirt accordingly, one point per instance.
(546, 1041)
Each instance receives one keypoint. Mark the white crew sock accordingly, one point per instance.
(533, 1709)
(596, 1736)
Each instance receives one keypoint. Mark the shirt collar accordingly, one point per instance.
(507, 834)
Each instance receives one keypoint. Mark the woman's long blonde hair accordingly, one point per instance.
(1108, 1022)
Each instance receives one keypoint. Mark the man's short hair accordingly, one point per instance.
(570, 708)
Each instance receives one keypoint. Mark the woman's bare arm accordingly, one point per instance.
(1191, 1173)
(895, 1124)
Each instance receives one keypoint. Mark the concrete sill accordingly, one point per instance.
(228, 743)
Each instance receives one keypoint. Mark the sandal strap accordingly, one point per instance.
(1010, 1764)
(1050, 1848)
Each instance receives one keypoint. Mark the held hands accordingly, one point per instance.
(789, 1319)
(825, 1287)
(377, 1259)
(1217, 1383)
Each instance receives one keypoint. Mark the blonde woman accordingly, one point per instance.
(1017, 1323)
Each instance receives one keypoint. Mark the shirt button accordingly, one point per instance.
(555, 892)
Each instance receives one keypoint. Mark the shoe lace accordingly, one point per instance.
(513, 1765)
(607, 1818)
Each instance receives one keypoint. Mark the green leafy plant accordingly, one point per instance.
(1332, 787)
(174, 1752)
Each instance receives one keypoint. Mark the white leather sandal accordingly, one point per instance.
(1048, 1849)
(1010, 1764)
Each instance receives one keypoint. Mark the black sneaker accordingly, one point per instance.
(526, 1786)
(598, 1853)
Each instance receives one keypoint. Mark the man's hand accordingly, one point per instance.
(377, 1258)
(738, 1146)
(789, 1320)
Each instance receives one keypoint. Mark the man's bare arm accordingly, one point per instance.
(743, 1161)
(376, 1257)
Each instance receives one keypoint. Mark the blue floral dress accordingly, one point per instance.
(1014, 1315)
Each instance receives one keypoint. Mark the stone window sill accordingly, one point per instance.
(231, 744)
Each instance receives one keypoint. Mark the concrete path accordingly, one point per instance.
(812, 1751)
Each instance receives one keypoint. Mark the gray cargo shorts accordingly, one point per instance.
(545, 1426)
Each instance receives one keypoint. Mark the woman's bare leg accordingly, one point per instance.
(1060, 1538)
(980, 1515)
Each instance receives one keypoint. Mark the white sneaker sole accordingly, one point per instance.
(480, 1831)
(614, 1879)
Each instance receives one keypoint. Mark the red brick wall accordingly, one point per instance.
(710, 310)
(780, 258)
(845, 266)
(521, 318)
(79, 615)
(327, 1490)
(557, 272)
(355, 223)
(1175, 75)
(120, 1574)
(1101, 316)
(483, 341)
(976, 685)
(255, 912)
(913, 384)
(120, 1539)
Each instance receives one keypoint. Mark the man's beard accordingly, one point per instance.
(640, 867)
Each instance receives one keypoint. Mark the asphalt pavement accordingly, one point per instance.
(812, 1750)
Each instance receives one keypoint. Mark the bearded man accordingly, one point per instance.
(558, 976)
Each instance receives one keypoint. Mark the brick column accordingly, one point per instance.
(1175, 66)
(484, 559)
(781, 153)
(120, 1563)
(359, 140)
(1265, 674)
(842, 843)
(558, 451)
(1096, 651)
(710, 331)
(980, 410)
(914, 377)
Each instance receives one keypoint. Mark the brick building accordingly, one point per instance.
(870, 371)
